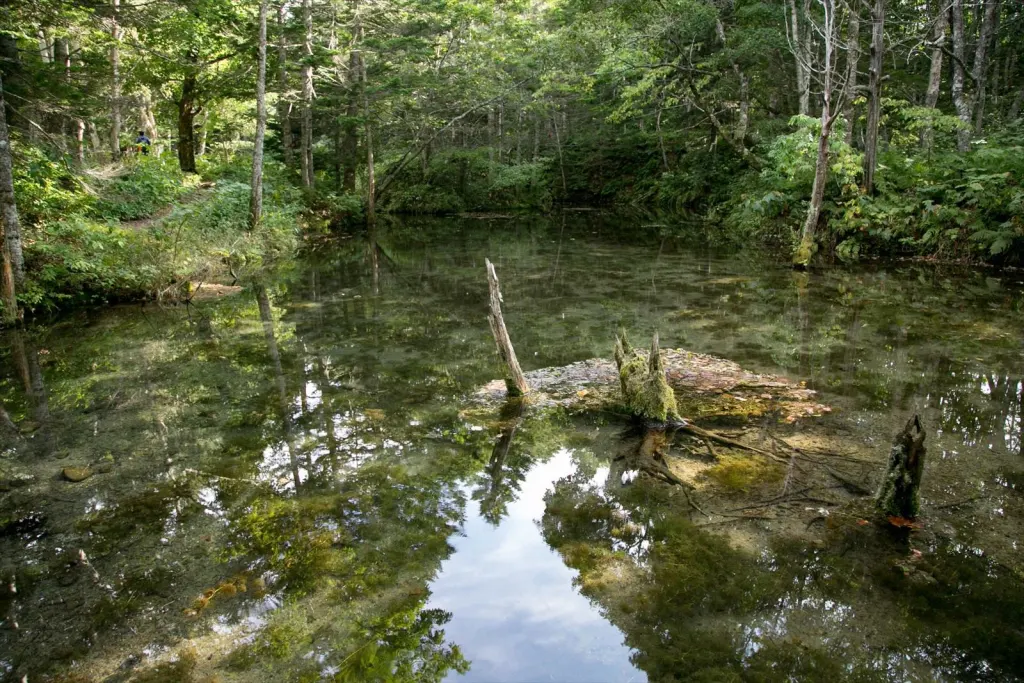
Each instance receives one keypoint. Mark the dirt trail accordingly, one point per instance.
(198, 193)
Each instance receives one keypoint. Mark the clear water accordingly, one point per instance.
(287, 483)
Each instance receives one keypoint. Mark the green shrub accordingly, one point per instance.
(150, 184)
(46, 189)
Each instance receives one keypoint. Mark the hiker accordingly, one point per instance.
(142, 142)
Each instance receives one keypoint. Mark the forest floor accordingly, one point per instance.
(200, 192)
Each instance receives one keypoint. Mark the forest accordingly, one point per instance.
(468, 341)
(822, 129)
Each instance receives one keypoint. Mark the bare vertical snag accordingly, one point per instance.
(898, 496)
(515, 381)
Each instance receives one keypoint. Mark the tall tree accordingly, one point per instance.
(852, 67)
(13, 276)
(874, 94)
(307, 96)
(981, 59)
(115, 79)
(963, 107)
(284, 101)
(931, 98)
(829, 33)
(256, 197)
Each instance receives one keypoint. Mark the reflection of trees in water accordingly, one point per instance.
(855, 606)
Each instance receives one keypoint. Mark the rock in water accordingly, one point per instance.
(644, 387)
(76, 474)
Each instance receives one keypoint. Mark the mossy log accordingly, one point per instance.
(645, 390)
(898, 496)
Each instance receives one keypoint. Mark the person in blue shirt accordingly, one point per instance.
(143, 142)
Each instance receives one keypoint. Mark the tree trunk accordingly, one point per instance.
(371, 173)
(644, 388)
(256, 196)
(13, 266)
(805, 250)
(490, 136)
(561, 163)
(515, 381)
(931, 98)
(147, 122)
(202, 131)
(519, 137)
(802, 53)
(115, 81)
(963, 108)
(94, 137)
(350, 143)
(307, 97)
(187, 111)
(874, 95)
(981, 59)
(1015, 108)
(284, 105)
(852, 66)
(898, 496)
(536, 138)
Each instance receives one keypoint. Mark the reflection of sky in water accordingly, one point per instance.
(515, 612)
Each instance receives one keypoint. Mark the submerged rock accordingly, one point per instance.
(76, 474)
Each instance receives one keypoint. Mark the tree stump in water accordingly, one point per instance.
(898, 496)
(515, 382)
(644, 387)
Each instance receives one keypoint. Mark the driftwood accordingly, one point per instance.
(898, 496)
(515, 382)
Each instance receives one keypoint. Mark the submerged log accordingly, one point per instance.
(898, 496)
(515, 382)
(645, 390)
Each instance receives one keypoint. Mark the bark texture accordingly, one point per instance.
(307, 97)
(256, 196)
(515, 382)
(963, 107)
(874, 94)
(115, 80)
(899, 494)
(13, 265)
(931, 97)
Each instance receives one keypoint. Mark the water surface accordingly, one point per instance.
(287, 483)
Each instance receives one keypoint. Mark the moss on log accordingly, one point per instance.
(898, 496)
(645, 390)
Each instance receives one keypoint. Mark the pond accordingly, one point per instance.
(292, 483)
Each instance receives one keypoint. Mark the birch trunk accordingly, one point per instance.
(256, 196)
(931, 97)
(805, 249)
(852, 66)
(963, 108)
